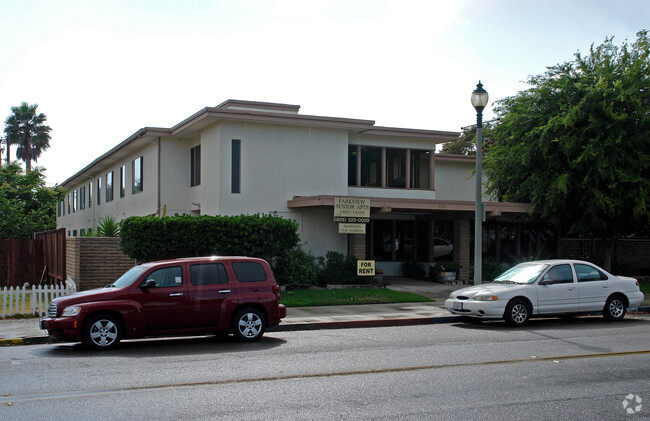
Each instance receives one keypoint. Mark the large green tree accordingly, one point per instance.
(576, 143)
(26, 204)
(26, 129)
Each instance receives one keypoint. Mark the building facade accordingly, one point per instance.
(244, 157)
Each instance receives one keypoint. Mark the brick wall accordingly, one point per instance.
(629, 252)
(94, 262)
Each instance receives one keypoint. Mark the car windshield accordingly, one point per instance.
(524, 273)
(129, 277)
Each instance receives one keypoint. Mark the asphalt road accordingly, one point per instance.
(554, 369)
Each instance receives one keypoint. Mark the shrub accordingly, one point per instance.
(147, 238)
(295, 267)
(339, 269)
(491, 269)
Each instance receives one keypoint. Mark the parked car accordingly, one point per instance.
(547, 288)
(183, 296)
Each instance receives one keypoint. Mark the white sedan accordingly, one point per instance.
(546, 288)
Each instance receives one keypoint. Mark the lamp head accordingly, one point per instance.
(479, 97)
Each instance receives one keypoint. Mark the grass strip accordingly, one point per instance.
(347, 296)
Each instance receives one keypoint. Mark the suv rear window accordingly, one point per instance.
(208, 274)
(249, 271)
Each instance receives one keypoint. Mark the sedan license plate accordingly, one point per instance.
(457, 305)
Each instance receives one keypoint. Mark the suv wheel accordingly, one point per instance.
(248, 325)
(102, 332)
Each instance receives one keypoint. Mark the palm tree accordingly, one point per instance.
(27, 130)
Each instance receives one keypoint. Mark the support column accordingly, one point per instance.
(430, 242)
(462, 245)
(357, 246)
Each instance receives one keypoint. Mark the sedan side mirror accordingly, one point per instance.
(546, 282)
(149, 283)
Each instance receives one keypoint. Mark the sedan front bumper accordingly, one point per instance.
(478, 309)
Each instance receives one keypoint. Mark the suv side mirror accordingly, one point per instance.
(149, 283)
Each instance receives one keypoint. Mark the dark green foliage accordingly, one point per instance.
(28, 131)
(491, 269)
(107, 227)
(147, 238)
(26, 205)
(339, 269)
(296, 267)
(576, 144)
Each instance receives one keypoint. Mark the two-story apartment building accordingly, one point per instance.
(244, 157)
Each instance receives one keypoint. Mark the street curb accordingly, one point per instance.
(358, 324)
(296, 327)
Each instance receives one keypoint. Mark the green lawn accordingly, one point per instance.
(347, 296)
(645, 287)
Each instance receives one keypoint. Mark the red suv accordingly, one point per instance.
(182, 296)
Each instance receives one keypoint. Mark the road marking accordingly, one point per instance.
(12, 399)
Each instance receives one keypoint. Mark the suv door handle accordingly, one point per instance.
(224, 291)
(176, 294)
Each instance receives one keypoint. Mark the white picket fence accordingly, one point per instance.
(14, 300)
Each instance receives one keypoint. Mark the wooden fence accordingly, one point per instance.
(21, 261)
(32, 300)
(53, 254)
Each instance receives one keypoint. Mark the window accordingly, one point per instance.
(352, 165)
(99, 191)
(420, 169)
(249, 272)
(90, 194)
(589, 273)
(396, 168)
(109, 186)
(122, 180)
(208, 274)
(58, 208)
(82, 197)
(195, 166)
(236, 166)
(75, 198)
(370, 167)
(560, 274)
(136, 187)
(167, 277)
(69, 208)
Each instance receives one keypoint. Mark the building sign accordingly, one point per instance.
(352, 211)
(365, 268)
(352, 228)
(351, 214)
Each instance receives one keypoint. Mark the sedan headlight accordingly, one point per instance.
(71, 311)
(485, 298)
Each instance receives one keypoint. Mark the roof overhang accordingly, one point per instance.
(383, 204)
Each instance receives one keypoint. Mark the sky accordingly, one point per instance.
(101, 70)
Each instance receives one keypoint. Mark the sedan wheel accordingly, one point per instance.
(249, 325)
(102, 332)
(517, 313)
(614, 308)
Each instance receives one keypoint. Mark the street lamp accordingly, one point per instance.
(479, 101)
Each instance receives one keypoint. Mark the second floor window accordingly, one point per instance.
(122, 180)
(137, 176)
(99, 191)
(195, 166)
(109, 186)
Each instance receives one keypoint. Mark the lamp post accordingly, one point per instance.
(479, 101)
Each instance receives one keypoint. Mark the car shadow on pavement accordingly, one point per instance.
(162, 347)
(569, 322)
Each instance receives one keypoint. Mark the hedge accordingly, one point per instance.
(147, 238)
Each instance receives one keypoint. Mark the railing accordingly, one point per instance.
(32, 300)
